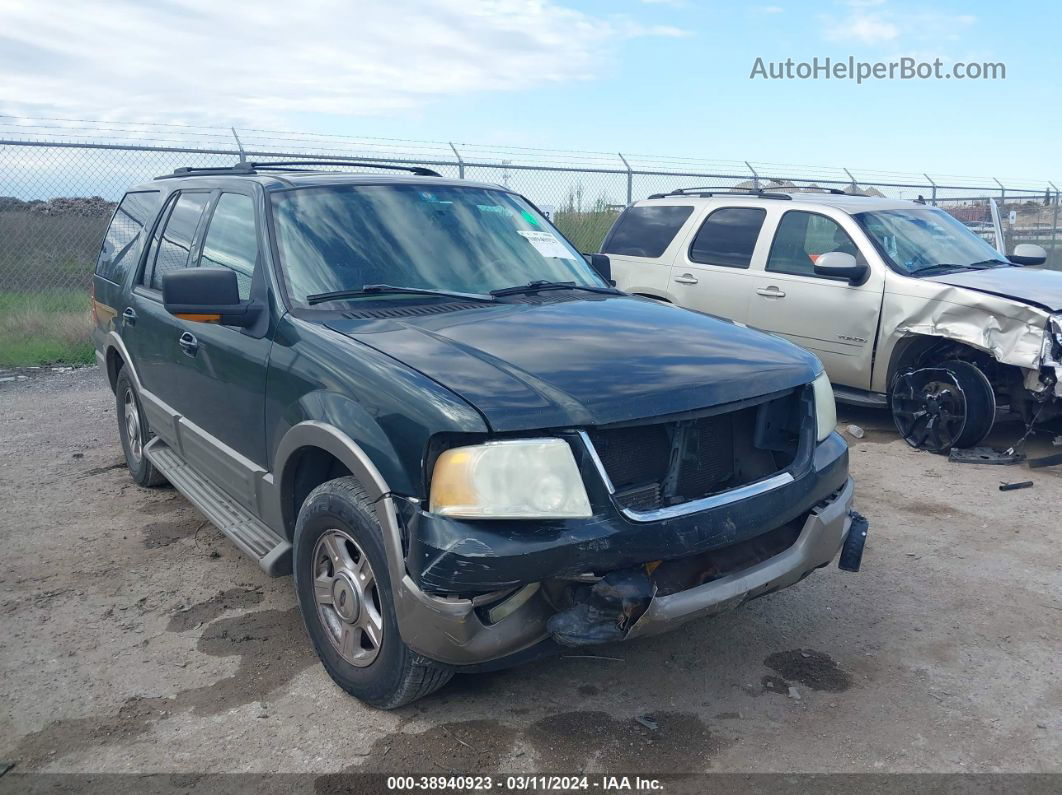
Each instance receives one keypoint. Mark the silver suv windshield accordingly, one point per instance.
(450, 239)
(924, 241)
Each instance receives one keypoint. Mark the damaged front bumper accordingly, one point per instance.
(476, 594)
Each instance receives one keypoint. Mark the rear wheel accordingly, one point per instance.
(344, 592)
(134, 433)
(938, 408)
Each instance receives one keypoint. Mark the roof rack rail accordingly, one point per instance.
(817, 189)
(419, 171)
(286, 165)
(707, 193)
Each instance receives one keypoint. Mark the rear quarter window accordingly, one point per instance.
(125, 236)
(645, 230)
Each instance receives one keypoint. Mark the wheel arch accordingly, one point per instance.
(116, 358)
(312, 453)
(922, 349)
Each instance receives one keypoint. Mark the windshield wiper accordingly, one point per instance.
(536, 286)
(384, 289)
(951, 266)
(940, 266)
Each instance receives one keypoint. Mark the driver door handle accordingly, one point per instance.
(686, 278)
(189, 344)
(770, 292)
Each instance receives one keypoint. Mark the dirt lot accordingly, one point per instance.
(137, 638)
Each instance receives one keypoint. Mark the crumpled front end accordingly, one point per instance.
(1012, 332)
(487, 593)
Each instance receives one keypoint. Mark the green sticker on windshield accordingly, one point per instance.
(529, 218)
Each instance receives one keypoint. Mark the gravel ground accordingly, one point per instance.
(137, 638)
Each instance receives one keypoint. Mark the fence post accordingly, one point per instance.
(755, 176)
(934, 186)
(460, 161)
(1054, 223)
(855, 185)
(1002, 191)
(243, 155)
(630, 178)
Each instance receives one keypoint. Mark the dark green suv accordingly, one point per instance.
(469, 448)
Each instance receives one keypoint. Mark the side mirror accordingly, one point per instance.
(1028, 254)
(602, 265)
(207, 295)
(838, 265)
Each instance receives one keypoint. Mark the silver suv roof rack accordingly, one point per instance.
(760, 193)
(706, 193)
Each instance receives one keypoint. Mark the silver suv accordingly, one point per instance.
(903, 304)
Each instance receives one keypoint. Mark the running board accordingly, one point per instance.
(271, 551)
(860, 397)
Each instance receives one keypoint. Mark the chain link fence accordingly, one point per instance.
(57, 195)
(56, 198)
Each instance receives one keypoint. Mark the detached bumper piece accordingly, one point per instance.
(648, 599)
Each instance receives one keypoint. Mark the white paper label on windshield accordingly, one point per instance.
(546, 244)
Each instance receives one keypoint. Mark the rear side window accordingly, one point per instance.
(231, 241)
(645, 230)
(176, 240)
(124, 240)
(728, 237)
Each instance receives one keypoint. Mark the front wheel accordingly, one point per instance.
(344, 592)
(938, 408)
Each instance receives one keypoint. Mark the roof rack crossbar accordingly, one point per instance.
(286, 165)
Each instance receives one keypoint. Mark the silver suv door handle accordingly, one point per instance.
(189, 344)
(686, 278)
(770, 292)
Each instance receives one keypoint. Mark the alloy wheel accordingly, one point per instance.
(347, 597)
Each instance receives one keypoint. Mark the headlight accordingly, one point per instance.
(825, 408)
(512, 479)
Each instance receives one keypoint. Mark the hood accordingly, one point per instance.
(1036, 287)
(560, 360)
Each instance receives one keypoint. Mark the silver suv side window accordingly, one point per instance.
(801, 238)
(645, 230)
(728, 237)
(175, 242)
(231, 241)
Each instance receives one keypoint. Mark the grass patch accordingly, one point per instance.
(45, 328)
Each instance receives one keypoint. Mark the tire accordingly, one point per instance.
(134, 432)
(948, 406)
(344, 592)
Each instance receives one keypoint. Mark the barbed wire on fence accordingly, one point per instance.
(60, 179)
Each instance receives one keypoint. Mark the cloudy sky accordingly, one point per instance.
(648, 76)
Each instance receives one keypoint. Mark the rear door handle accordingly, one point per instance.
(686, 278)
(189, 344)
(129, 316)
(770, 292)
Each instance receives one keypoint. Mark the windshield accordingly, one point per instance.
(921, 240)
(449, 238)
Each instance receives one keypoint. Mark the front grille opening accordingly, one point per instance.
(663, 464)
